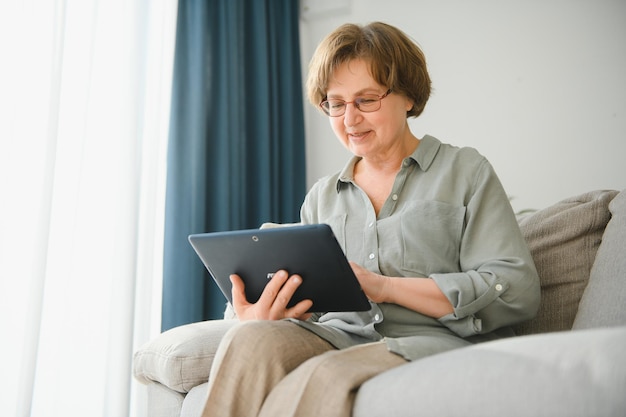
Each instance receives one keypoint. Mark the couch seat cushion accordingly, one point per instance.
(569, 374)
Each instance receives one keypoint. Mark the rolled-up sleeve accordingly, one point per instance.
(498, 283)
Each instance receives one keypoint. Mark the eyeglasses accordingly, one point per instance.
(367, 103)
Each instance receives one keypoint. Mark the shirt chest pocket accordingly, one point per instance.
(427, 238)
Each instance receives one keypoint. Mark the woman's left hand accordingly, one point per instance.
(374, 286)
(416, 293)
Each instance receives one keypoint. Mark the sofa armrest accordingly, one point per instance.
(163, 402)
(181, 358)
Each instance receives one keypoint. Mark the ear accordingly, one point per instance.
(409, 104)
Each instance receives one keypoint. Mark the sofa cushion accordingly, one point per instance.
(563, 240)
(181, 358)
(569, 374)
(602, 303)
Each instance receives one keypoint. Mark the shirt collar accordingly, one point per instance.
(424, 155)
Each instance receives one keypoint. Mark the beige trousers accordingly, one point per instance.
(279, 369)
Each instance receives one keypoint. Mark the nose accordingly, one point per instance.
(352, 115)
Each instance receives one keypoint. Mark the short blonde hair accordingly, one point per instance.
(396, 62)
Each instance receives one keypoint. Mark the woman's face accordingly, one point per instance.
(373, 135)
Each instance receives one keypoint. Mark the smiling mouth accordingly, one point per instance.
(358, 135)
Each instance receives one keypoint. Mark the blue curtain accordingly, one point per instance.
(236, 141)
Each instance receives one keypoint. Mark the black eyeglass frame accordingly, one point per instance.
(355, 102)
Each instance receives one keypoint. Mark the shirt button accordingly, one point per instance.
(394, 197)
(498, 287)
(371, 224)
(372, 256)
(376, 317)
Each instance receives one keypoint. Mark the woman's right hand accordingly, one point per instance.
(272, 305)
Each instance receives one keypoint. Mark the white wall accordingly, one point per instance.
(538, 87)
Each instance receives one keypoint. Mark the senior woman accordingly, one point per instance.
(428, 229)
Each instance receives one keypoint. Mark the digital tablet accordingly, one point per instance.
(310, 251)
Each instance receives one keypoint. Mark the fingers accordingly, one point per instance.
(279, 292)
(375, 286)
(359, 273)
(283, 295)
(299, 311)
(272, 304)
(272, 290)
(238, 294)
(238, 287)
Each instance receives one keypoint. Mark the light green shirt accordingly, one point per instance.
(447, 218)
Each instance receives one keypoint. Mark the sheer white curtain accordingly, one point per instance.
(84, 109)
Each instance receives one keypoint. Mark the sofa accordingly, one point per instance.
(570, 360)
